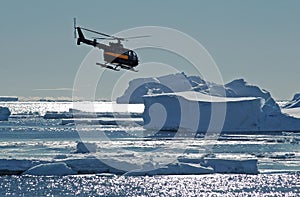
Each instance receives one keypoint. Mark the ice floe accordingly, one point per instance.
(50, 169)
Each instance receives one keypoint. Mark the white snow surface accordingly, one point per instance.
(198, 96)
(248, 166)
(173, 169)
(50, 169)
(183, 110)
(294, 112)
(178, 101)
(90, 165)
(173, 111)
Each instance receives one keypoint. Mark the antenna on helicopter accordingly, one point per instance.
(75, 34)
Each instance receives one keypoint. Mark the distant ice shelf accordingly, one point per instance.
(8, 98)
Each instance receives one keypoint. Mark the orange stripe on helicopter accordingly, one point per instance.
(117, 55)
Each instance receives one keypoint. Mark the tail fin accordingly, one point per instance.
(79, 32)
(81, 37)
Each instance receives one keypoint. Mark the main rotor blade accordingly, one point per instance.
(134, 37)
(114, 37)
(103, 34)
(97, 38)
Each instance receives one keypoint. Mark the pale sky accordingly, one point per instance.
(256, 40)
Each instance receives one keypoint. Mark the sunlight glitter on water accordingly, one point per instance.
(201, 185)
(43, 107)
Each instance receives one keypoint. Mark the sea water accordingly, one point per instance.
(31, 137)
(200, 185)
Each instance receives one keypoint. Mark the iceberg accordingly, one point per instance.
(4, 113)
(180, 82)
(172, 101)
(176, 111)
(50, 169)
(164, 84)
(246, 166)
(240, 88)
(57, 115)
(91, 165)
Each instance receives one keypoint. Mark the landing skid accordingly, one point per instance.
(128, 68)
(108, 66)
(116, 68)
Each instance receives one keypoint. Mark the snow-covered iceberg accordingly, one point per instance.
(165, 84)
(175, 104)
(178, 101)
(57, 115)
(180, 82)
(88, 164)
(4, 113)
(246, 166)
(174, 111)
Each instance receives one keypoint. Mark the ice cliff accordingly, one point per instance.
(4, 113)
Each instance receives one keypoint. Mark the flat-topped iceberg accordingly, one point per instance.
(178, 101)
(193, 111)
(91, 165)
(180, 82)
(242, 113)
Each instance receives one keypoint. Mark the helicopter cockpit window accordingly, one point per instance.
(133, 55)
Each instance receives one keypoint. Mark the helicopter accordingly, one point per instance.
(116, 56)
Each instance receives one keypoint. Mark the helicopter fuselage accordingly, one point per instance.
(114, 53)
